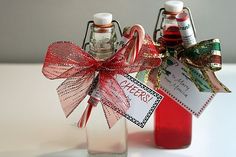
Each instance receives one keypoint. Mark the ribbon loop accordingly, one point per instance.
(206, 54)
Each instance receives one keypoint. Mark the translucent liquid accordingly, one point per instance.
(173, 124)
(105, 142)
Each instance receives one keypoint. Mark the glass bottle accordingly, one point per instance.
(172, 123)
(102, 141)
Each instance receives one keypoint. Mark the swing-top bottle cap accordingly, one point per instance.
(102, 18)
(174, 6)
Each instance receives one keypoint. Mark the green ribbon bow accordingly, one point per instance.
(200, 60)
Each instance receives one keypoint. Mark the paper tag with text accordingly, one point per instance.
(143, 100)
(175, 81)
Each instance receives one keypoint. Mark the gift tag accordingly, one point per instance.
(175, 81)
(143, 100)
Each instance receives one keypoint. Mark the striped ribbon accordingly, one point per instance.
(202, 59)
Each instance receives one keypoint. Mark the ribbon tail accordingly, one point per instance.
(206, 80)
(216, 85)
(72, 91)
(111, 115)
(112, 96)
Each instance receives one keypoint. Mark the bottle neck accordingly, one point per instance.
(102, 43)
(169, 19)
(170, 33)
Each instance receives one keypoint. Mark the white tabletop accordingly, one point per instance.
(32, 122)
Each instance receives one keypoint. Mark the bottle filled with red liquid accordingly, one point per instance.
(172, 123)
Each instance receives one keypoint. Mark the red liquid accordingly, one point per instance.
(171, 36)
(173, 124)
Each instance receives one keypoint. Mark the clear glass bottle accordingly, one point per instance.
(172, 123)
(102, 141)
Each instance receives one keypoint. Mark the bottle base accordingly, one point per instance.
(163, 147)
(90, 154)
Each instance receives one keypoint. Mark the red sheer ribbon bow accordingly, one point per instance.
(65, 60)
